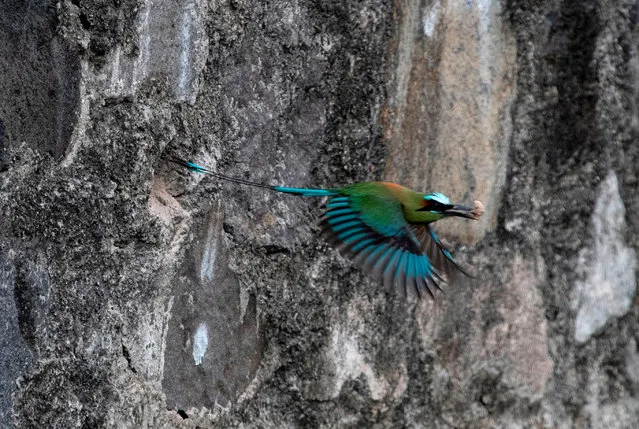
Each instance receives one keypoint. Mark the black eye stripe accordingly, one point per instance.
(437, 206)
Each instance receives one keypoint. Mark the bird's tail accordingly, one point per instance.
(305, 192)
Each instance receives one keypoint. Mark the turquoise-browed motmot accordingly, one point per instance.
(384, 227)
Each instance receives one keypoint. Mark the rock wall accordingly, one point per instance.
(136, 294)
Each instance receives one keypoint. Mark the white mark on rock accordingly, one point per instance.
(208, 259)
(213, 237)
(172, 42)
(431, 19)
(140, 69)
(184, 79)
(116, 80)
(200, 343)
(350, 364)
(610, 283)
(486, 16)
(632, 361)
(79, 129)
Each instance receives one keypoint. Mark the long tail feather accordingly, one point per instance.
(305, 192)
(203, 170)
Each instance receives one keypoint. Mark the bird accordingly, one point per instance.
(385, 228)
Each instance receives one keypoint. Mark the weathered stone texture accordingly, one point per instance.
(136, 294)
(449, 103)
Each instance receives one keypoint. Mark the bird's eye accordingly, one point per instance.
(436, 206)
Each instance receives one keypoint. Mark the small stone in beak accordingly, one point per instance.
(478, 210)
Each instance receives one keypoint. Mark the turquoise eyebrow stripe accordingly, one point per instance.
(438, 196)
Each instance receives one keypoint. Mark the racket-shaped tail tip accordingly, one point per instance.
(191, 166)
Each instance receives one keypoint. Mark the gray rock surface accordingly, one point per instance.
(611, 282)
(135, 294)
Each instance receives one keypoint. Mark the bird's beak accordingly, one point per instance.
(462, 211)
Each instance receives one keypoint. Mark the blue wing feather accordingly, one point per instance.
(336, 205)
(364, 244)
(345, 225)
(437, 254)
(389, 270)
(353, 236)
(391, 252)
(338, 219)
(374, 256)
(410, 272)
(338, 212)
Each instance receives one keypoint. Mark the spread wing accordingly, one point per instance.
(440, 257)
(374, 232)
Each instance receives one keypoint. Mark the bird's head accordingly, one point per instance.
(439, 206)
